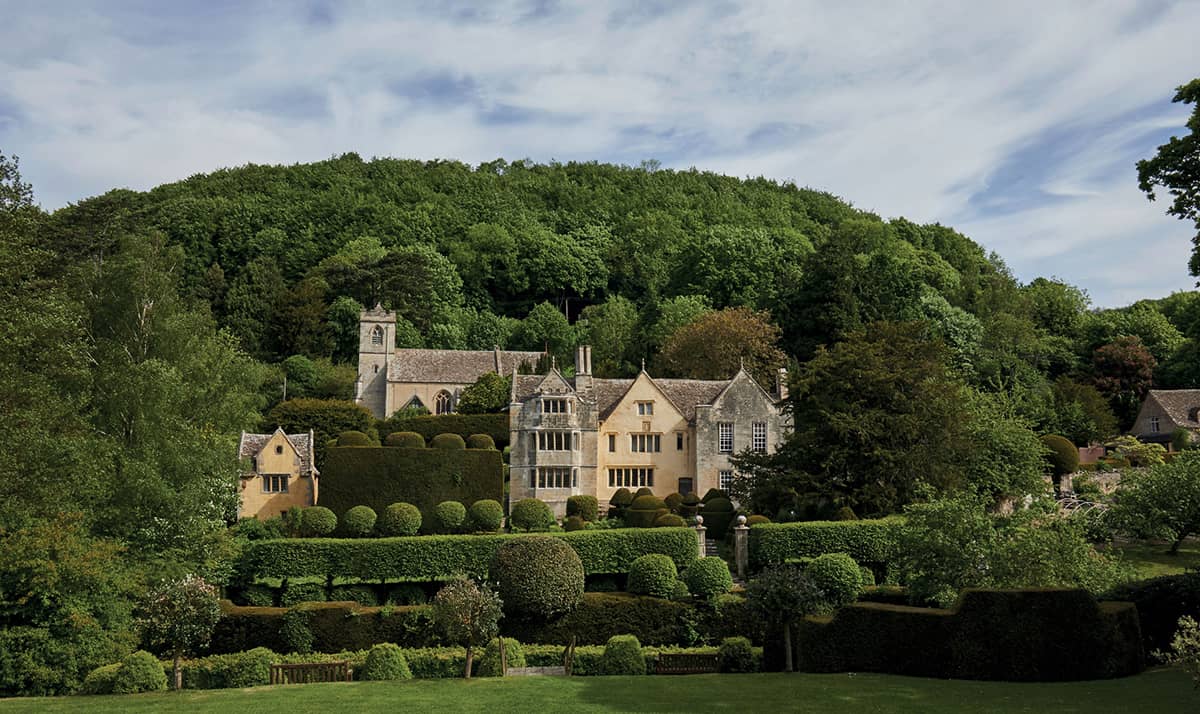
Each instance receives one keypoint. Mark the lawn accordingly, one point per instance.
(1152, 560)
(1161, 691)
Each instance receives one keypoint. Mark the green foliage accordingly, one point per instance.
(680, 592)
(611, 328)
(400, 519)
(584, 506)
(318, 521)
(530, 514)
(359, 522)
(708, 577)
(489, 394)
(229, 671)
(669, 520)
(447, 441)
(1062, 456)
(429, 426)
(405, 440)
(653, 575)
(322, 627)
(1163, 502)
(574, 523)
(489, 662)
(537, 576)
(779, 596)
(601, 615)
(735, 656)
(1185, 648)
(674, 502)
(621, 499)
(100, 680)
(177, 617)
(623, 656)
(867, 541)
(385, 662)
(448, 517)
(718, 516)
(353, 438)
(717, 344)
(837, 576)
(1160, 603)
(361, 594)
(487, 515)
(1181, 439)
(644, 510)
(406, 594)
(757, 519)
(1174, 167)
(139, 672)
(325, 417)
(480, 441)
(297, 593)
(1123, 372)
(294, 632)
(1133, 452)
(468, 614)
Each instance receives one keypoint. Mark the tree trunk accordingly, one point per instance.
(470, 658)
(787, 647)
(178, 671)
(503, 658)
(1178, 542)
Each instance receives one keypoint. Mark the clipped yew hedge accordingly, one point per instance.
(465, 425)
(335, 626)
(426, 558)
(869, 542)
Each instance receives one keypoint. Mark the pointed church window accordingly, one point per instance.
(377, 336)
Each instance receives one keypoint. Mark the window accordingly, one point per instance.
(685, 486)
(612, 443)
(725, 437)
(377, 336)
(758, 436)
(1154, 425)
(554, 406)
(442, 403)
(645, 443)
(279, 448)
(275, 483)
(631, 476)
(679, 441)
(554, 441)
(555, 477)
(645, 408)
(726, 480)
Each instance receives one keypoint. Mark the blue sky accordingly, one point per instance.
(1018, 123)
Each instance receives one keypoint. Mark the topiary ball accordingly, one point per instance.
(530, 514)
(756, 519)
(251, 668)
(488, 664)
(481, 441)
(537, 576)
(100, 680)
(623, 656)
(718, 514)
(681, 593)
(643, 491)
(643, 511)
(1062, 457)
(400, 519)
(712, 493)
(447, 441)
(386, 662)
(653, 574)
(405, 440)
(359, 522)
(838, 576)
(735, 655)
(449, 517)
(690, 505)
(586, 507)
(486, 515)
(574, 523)
(620, 501)
(669, 520)
(674, 502)
(317, 521)
(139, 672)
(708, 577)
(353, 438)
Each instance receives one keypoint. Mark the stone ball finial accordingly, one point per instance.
(741, 520)
(699, 520)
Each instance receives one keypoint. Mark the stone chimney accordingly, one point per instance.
(583, 368)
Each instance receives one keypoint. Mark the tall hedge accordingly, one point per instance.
(379, 477)
(427, 558)
(430, 425)
(326, 417)
(869, 542)
(335, 627)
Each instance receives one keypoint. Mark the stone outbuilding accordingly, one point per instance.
(1164, 411)
(279, 472)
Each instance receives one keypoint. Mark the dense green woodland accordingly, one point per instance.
(140, 332)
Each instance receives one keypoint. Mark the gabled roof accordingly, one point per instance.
(684, 394)
(251, 445)
(454, 366)
(741, 375)
(1178, 404)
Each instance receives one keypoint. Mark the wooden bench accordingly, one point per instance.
(309, 673)
(686, 664)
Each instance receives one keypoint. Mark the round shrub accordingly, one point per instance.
(295, 633)
(690, 505)
(756, 519)
(481, 441)
(100, 680)
(620, 501)
(530, 514)
(669, 520)
(359, 522)
(643, 491)
(709, 577)
(735, 655)
(405, 440)
(652, 574)
(400, 519)
(845, 513)
(538, 576)
(574, 523)
(643, 511)
(713, 493)
(447, 441)
(250, 668)
(488, 664)
(353, 438)
(385, 662)
(1063, 457)
(487, 515)
(681, 593)
(868, 576)
(674, 502)
(449, 517)
(361, 594)
(838, 576)
(718, 515)
(139, 672)
(406, 594)
(623, 655)
(317, 521)
(258, 596)
(586, 507)
(297, 593)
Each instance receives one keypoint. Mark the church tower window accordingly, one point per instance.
(377, 336)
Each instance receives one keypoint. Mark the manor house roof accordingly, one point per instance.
(454, 366)
(685, 394)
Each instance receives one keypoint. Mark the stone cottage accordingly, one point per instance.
(1164, 411)
(279, 472)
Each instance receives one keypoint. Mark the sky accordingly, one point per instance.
(1018, 123)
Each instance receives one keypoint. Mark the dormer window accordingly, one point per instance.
(555, 406)
(279, 449)
(1153, 425)
(645, 408)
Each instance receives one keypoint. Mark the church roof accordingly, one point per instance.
(252, 444)
(686, 394)
(454, 366)
(1178, 404)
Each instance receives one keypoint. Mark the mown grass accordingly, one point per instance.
(1151, 559)
(1161, 691)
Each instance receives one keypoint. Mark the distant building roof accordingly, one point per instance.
(454, 366)
(685, 394)
(1181, 405)
(252, 444)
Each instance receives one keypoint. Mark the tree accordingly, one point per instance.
(490, 393)
(545, 328)
(1176, 168)
(672, 314)
(326, 417)
(717, 344)
(780, 596)
(301, 322)
(611, 329)
(178, 617)
(1080, 413)
(1163, 502)
(1123, 371)
(250, 306)
(468, 614)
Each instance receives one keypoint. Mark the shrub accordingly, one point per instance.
(480, 441)
(602, 615)
(318, 521)
(361, 594)
(139, 672)
(623, 656)
(447, 441)
(1185, 648)
(353, 438)
(428, 426)
(845, 513)
(1161, 602)
(296, 593)
(652, 574)
(757, 519)
(1062, 457)
(359, 522)
(736, 655)
(712, 493)
(574, 523)
(838, 576)
(674, 502)
(708, 577)
(400, 519)
(448, 517)
(489, 661)
(868, 577)
(669, 520)
(867, 541)
(100, 680)
(469, 615)
(405, 440)
(406, 594)
(643, 512)
(243, 669)
(586, 507)
(385, 662)
(258, 595)
(643, 491)
(538, 576)
(621, 500)
(690, 505)
(530, 514)
(680, 592)
(718, 515)
(487, 515)
(294, 632)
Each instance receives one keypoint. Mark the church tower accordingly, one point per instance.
(376, 343)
